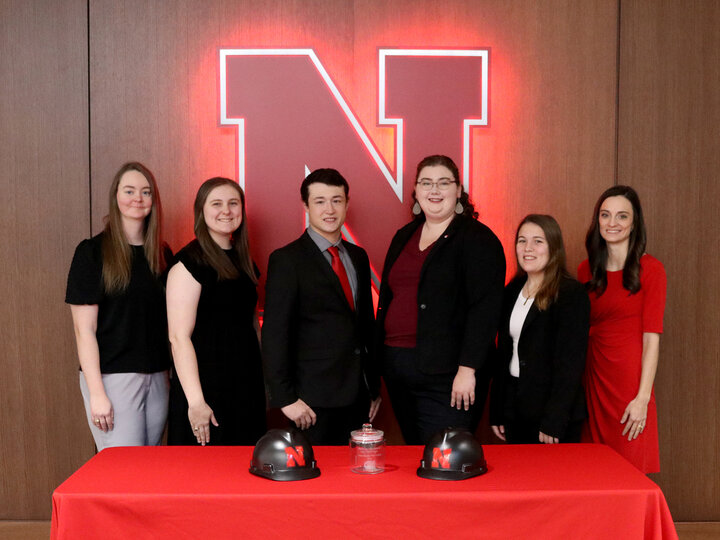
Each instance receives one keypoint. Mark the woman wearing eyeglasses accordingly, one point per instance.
(439, 307)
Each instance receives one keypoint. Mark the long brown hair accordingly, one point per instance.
(597, 249)
(213, 255)
(430, 161)
(555, 269)
(116, 252)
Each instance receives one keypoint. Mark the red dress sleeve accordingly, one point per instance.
(583, 272)
(654, 284)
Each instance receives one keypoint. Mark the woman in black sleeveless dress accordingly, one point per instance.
(217, 391)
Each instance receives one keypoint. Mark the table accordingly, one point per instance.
(530, 491)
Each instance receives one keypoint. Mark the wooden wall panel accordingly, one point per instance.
(43, 170)
(668, 149)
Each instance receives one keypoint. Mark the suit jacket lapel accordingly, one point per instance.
(357, 263)
(443, 239)
(511, 296)
(533, 312)
(531, 316)
(361, 272)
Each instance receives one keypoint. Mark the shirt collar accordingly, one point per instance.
(323, 243)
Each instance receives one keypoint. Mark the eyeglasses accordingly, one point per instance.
(442, 185)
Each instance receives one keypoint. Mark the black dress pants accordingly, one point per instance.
(422, 402)
(523, 427)
(528, 432)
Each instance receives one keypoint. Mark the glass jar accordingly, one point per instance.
(367, 450)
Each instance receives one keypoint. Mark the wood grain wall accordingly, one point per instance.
(45, 211)
(552, 147)
(669, 149)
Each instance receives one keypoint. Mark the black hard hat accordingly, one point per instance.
(452, 454)
(283, 454)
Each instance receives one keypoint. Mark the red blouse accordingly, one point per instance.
(404, 280)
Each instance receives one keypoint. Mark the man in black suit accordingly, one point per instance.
(318, 322)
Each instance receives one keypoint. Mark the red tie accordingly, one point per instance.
(339, 270)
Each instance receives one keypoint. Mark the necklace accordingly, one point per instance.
(527, 294)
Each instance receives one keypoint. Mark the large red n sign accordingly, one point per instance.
(291, 118)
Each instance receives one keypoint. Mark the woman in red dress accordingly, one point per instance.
(627, 295)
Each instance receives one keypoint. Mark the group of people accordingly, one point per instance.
(177, 338)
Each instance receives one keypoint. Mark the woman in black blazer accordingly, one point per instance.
(536, 393)
(439, 307)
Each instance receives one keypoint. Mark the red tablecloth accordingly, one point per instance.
(530, 491)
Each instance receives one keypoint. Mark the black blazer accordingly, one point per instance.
(552, 351)
(315, 347)
(459, 296)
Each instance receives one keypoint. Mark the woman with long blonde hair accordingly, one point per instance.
(117, 300)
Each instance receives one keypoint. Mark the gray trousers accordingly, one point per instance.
(140, 407)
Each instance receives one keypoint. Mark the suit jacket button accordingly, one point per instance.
(422, 306)
(357, 351)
